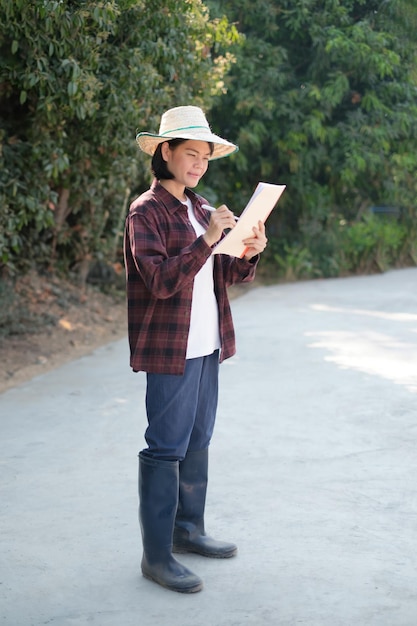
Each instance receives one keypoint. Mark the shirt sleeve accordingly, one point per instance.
(238, 270)
(164, 274)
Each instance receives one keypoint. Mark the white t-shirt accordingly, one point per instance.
(204, 335)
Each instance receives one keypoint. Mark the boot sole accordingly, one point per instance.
(210, 555)
(193, 589)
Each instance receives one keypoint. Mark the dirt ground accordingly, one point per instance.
(46, 322)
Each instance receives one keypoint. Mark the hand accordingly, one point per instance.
(256, 244)
(220, 219)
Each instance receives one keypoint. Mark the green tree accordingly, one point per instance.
(323, 98)
(77, 78)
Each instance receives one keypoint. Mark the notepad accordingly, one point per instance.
(260, 205)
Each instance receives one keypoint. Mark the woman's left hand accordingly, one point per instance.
(256, 244)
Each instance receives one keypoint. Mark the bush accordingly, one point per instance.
(372, 244)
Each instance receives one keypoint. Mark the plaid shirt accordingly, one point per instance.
(162, 256)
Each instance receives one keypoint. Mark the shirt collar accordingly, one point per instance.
(171, 202)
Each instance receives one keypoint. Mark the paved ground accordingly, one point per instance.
(313, 474)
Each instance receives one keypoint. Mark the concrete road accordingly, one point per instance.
(313, 474)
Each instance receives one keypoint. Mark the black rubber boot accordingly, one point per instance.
(158, 496)
(189, 533)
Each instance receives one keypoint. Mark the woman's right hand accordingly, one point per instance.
(220, 219)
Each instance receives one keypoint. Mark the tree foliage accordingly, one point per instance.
(77, 78)
(323, 97)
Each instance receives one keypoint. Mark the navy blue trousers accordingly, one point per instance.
(181, 410)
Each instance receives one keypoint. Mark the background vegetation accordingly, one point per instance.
(319, 95)
(76, 80)
(323, 98)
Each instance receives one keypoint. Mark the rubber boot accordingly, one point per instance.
(158, 495)
(189, 532)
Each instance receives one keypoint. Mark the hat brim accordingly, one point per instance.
(148, 142)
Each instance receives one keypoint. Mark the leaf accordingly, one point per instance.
(64, 323)
(72, 88)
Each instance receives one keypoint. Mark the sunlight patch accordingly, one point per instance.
(372, 353)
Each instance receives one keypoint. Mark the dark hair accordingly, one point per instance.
(159, 166)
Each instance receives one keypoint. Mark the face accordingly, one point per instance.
(188, 162)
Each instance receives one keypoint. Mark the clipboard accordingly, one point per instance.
(259, 207)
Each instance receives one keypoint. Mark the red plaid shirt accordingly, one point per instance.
(162, 256)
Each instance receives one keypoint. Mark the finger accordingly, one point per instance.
(258, 237)
(257, 243)
(222, 220)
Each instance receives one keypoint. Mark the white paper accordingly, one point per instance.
(263, 200)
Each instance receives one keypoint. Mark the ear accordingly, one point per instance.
(165, 150)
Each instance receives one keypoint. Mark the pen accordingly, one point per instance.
(213, 208)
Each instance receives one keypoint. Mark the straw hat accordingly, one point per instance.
(185, 122)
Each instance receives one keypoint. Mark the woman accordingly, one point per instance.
(180, 328)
